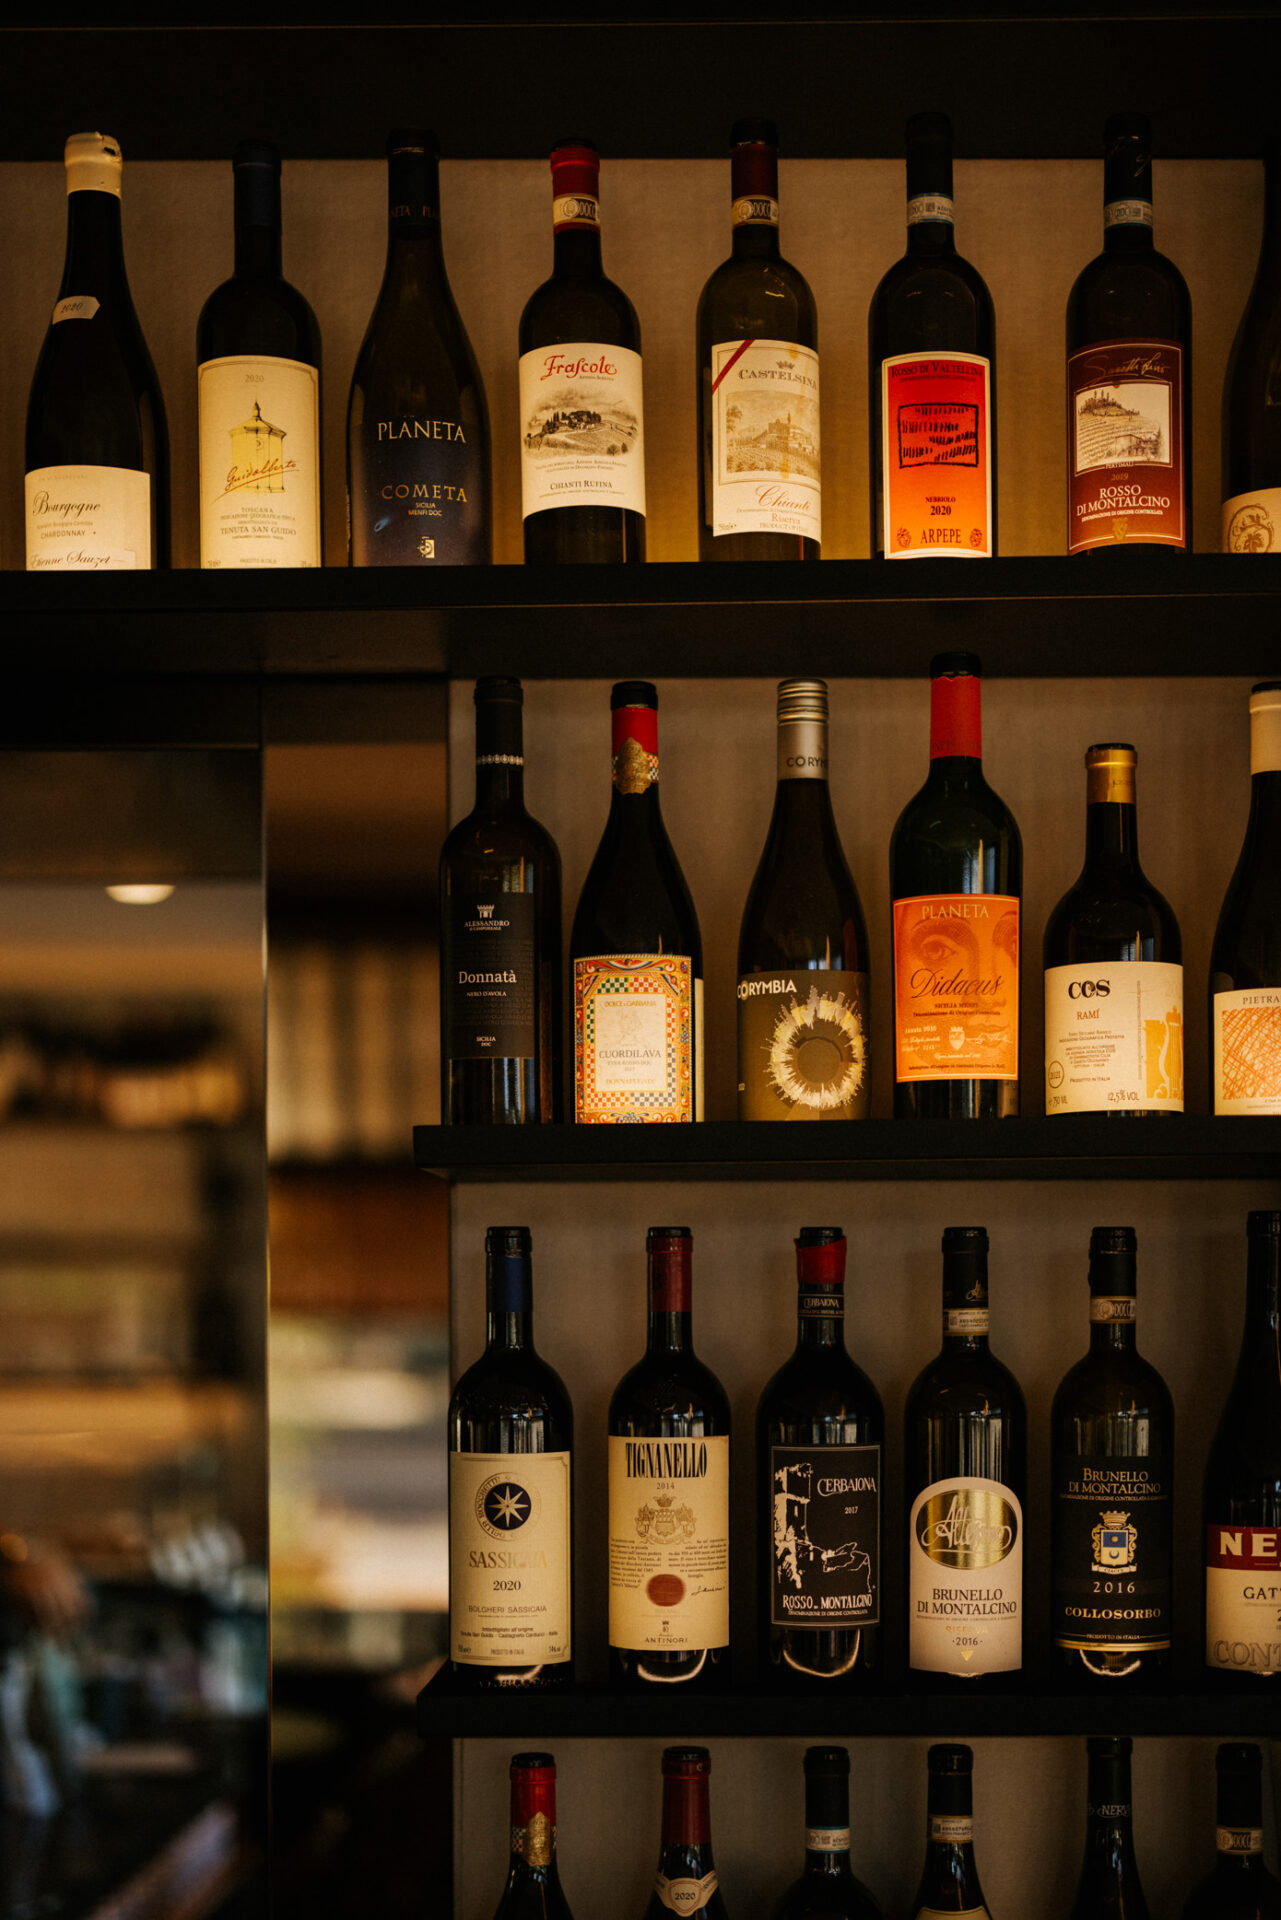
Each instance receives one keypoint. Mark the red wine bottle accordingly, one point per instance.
(1252, 394)
(1109, 1887)
(827, 1889)
(533, 1889)
(1239, 1886)
(950, 1878)
(1245, 960)
(686, 1880)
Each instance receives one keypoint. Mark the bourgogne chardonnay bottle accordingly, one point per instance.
(418, 468)
(802, 947)
(636, 959)
(956, 880)
(950, 1879)
(965, 1460)
(931, 359)
(533, 1889)
(1252, 394)
(827, 1889)
(820, 1430)
(1109, 1885)
(511, 1440)
(1113, 966)
(759, 474)
(1129, 369)
(258, 393)
(1112, 1492)
(1245, 960)
(500, 938)
(97, 447)
(1240, 1886)
(582, 437)
(1243, 1486)
(686, 1879)
(669, 1495)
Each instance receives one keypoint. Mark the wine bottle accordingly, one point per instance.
(950, 1879)
(1239, 1886)
(582, 465)
(533, 1889)
(511, 1441)
(97, 447)
(669, 1495)
(1113, 966)
(1109, 1886)
(759, 475)
(931, 360)
(1112, 1492)
(1252, 394)
(500, 971)
(966, 1466)
(1129, 369)
(258, 393)
(418, 465)
(1245, 960)
(636, 958)
(686, 1880)
(827, 1889)
(1243, 1486)
(802, 947)
(956, 880)
(820, 1430)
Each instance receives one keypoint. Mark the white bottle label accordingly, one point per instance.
(1252, 522)
(259, 462)
(77, 306)
(668, 1543)
(765, 466)
(88, 520)
(1243, 1599)
(1114, 1037)
(509, 1559)
(582, 429)
(1247, 1051)
(966, 1579)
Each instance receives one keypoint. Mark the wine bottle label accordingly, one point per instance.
(582, 433)
(930, 206)
(1247, 1051)
(88, 520)
(1252, 521)
(1110, 1310)
(685, 1895)
(966, 1578)
(1127, 213)
(509, 1559)
(1125, 444)
(1112, 1553)
(1243, 1599)
(575, 210)
(1114, 1037)
(827, 1839)
(936, 455)
(765, 467)
(488, 973)
(259, 425)
(77, 306)
(966, 1320)
(1238, 1840)
(638, 1038)
(952, 1829)
(417, 492)
(668, 1544)
(754, 210)
(956, 987)
(802, 1046)
(825, 1505)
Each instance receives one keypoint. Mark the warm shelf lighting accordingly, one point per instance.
(139, 894)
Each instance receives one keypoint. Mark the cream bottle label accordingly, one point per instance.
(88, 520)
(581, 423)
(1252, 521)
(966, 1578)
(764, 413)
(259, 462)
(1247, 1051)
(638, 1038)
(1114, 1037)
(1243, 1599)
(685, 1895)
(668, 1543)
(509, 1559)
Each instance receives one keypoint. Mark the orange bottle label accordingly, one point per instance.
(936, 455)
(956, 987)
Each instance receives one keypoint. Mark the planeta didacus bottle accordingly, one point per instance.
(1245, 960)
(1109, 1887)
(950, 1878)
(533, 1890)
(686, 1881)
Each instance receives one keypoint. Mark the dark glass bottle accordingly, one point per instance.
(827, 1889)
(965, 1461)
(1240, 1886)
(931, 359)
(581, 416)
(759, 471)
(97, 447)
(1129, 370)
(686, 1880)
(1109, 1885)
(500, 961)
(636, 958)
(956, 883)
(1113, 966)
(1112, 1493)
(1252, 394)
(820, 1431)
(669, 1495)
(418, 461)
(533, 1889)
(1243, 1486)
(258, 388)
(803, 1013)
(1245, 960)
(511, 1442)
(950, 1879)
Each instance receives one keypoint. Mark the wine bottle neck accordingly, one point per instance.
(827, 1826)
(509, 1302)
(670, 1298)
(819, 1329)
(634, 759)
(754, 210)
(1112, 1302)
(500, 751)
(1265, 807)
(509, 1332)
(257, 216)
(1263, 1287)
(95, 249)
(499, 786)
(965, 1306)
(413, 213)
(576, 253)
(1239, 1827)
(1127, 194)
(956, 718)
(1112, 835)
(930, 228)
(533, 1826)
(687, 1829)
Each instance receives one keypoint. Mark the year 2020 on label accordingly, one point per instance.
(669, 1543)
(582, 432)
(509, 1558)
(764, 457)
(965, 1580)
(1114, 1037)
(936, 455)
(259, 462)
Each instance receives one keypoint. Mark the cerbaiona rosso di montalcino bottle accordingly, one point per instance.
(1245, 960)
(950, 1879)
(1252, 394)
(533, 1889)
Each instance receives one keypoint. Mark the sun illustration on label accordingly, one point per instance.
(818, 1052)
(503, 1505)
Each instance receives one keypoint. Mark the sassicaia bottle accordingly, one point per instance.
(950, 1879)
(533, 1889)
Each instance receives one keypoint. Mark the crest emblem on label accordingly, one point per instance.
(1115, 1541)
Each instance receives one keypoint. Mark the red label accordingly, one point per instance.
(1244, 1549)
(1125, 445)
(936, 455)
(956, 717)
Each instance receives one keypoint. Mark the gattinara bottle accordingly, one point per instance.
(950, 1879)
(1245, 960)
(827, 1889)
(533, 1889)
(686, 1880)
(1109, 1888)
(1240, 1886)
(1251, 387)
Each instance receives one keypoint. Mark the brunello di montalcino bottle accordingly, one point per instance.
(533, 1889)
(950, 1879)
(1245, 960)
(802, 948)
(1112, 1492)
(418, 465)
(1240, 1886)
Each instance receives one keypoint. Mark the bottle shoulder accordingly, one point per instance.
(673, 1390)
(1118, 1384)
(578, 307)
(515, 1383)
(760, 296)
(969, 1382)
(818, 1386)
(1119, 295)
(262, 315)
(939, 297)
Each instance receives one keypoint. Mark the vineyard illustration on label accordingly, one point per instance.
(1123, 424)
(762, 437)
(560, 425)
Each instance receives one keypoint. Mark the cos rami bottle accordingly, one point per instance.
(827, 1889)
(1252, 395)
(533, 1889)
(1245, 960)
(1109, 1887)
(1240, 1886)
(949, 1878)
(686, 1880)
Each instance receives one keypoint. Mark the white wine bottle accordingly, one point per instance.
(1245, 960)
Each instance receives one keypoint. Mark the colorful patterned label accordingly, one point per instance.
(1247, 1051)
(936, 455)
(956, 987)
(1125, 444)
(765, 470)
(1114, 1037)
(635, 1020)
